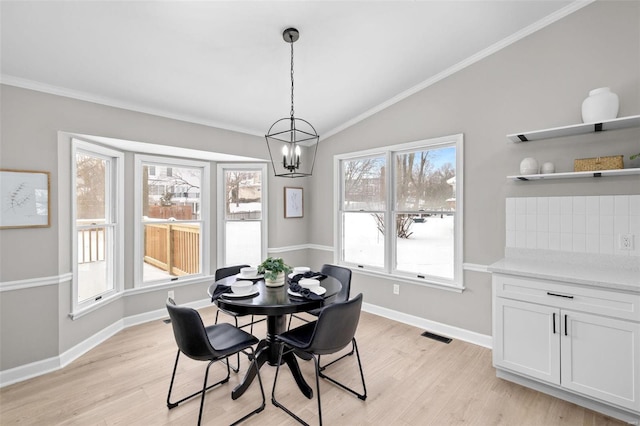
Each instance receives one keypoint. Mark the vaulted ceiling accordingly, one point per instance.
(225, 64)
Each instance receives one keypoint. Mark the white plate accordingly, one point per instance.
(319, 292)
(255, 277)
(253, 292)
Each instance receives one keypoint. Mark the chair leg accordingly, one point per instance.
(275, 381)
(171, 405)
(204, 390)
(253, 358)
(322, 368)
(362, 396)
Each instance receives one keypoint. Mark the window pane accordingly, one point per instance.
(243, 195)
(90, 188)
(425, 245)
(171, 192)
(364, 184)
(171, 249)
(425, 180)
(93, 275)
(243, 243)
(363, 238)
(94, 254)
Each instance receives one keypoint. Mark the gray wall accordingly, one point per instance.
(538, 82)
(35, 322)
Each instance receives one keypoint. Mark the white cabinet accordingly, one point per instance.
(582, 341)
(599, 357)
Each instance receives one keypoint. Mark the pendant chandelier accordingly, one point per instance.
(292, 142)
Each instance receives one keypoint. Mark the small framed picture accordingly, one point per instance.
(293, 202)
(24, 199)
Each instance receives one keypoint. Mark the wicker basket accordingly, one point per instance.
(598, 163)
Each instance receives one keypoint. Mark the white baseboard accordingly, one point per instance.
(38, 368)
(436, 327)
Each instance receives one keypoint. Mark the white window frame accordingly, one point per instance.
(389, 271)
(205, 219)
(221, 168)
(115, 189)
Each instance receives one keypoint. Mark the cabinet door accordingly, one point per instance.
(601, 358)
(527, 339)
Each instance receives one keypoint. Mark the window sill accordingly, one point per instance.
(417, 281)
(170, 284)
(94, 306)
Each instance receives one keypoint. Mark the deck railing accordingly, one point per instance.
(174, 248)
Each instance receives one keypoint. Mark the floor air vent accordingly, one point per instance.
(436, 337)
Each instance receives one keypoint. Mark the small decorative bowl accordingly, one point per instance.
(242, 287)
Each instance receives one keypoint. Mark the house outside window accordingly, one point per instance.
(172, 210)
(400, 211)
(98, 182)
(242, 214)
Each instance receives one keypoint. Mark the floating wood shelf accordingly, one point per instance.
(576, 129)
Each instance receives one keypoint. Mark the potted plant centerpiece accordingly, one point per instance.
(274, 270)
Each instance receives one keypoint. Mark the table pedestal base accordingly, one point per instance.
(267, 351)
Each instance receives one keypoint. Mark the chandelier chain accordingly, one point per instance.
(291, 79)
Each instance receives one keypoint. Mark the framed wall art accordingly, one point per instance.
(24, 199)
(293, 202)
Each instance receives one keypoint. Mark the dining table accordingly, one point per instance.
(275, 303)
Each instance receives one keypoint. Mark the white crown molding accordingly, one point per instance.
(83, 96)
(536, 26)
(23, 83)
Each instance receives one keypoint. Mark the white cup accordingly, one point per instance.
(241, 287)
(300, 269)
(309, 283)
(248, 271)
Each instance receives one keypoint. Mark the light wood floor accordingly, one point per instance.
(411, 380)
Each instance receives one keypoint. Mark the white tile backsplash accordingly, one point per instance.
(590, 224)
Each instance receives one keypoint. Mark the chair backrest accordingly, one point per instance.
(336, 326)
(341, 274)
(228, 271)
(189, 332)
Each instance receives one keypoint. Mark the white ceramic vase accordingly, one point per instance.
(279, 281)
(601, 104)
(529, 166)
(547, 168)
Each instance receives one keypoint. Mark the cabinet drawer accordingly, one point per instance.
(604, 302)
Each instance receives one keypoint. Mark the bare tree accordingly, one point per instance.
(90, 187)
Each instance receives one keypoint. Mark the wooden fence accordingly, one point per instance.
(174, 248)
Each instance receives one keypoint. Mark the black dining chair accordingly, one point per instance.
(212, 343)
(224, 273)
(334, 330)
(343, 275)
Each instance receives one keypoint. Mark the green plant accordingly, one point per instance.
(272, 266)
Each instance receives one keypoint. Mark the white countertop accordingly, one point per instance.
(609, 272)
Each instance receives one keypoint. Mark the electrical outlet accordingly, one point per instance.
(396, 289)
(170, 294)
(626, 241)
